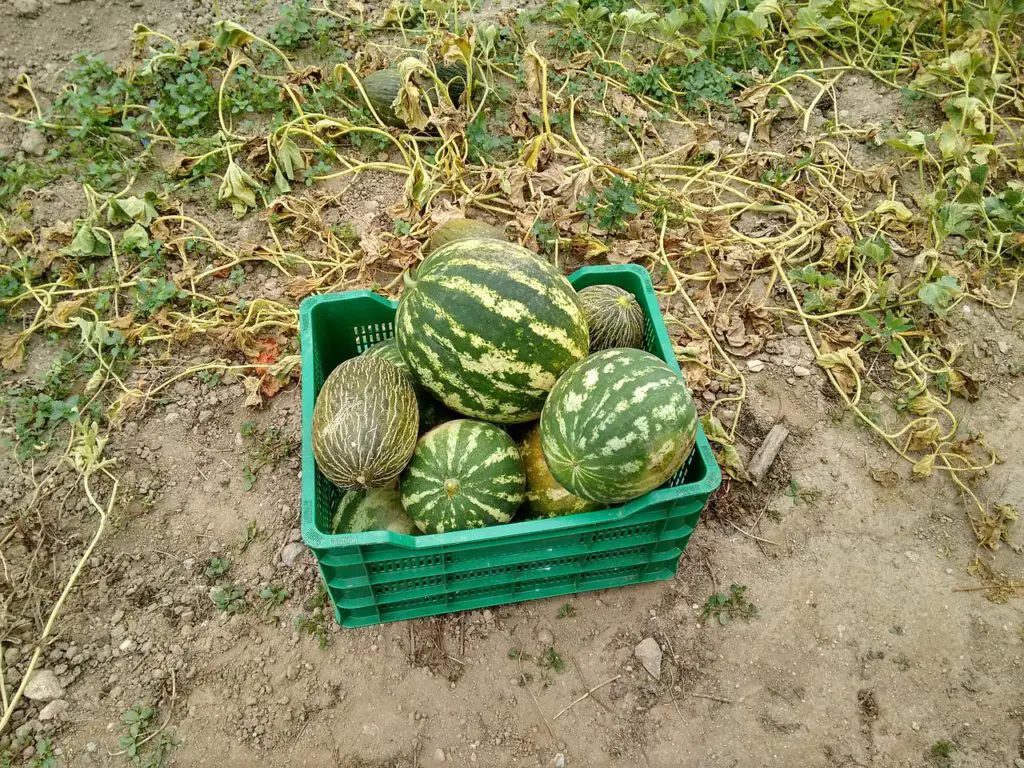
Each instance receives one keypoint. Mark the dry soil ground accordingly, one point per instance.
(864, 651)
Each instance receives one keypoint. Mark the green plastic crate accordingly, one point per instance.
(380, 576)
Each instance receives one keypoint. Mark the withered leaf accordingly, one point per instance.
(885, 477)
(534, 69)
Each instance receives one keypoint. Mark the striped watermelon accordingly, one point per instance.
(545, 496)
(488, 327)
(379, 509)
(464, 474)
(364, 424)
(614, 317)
(617, 425)
(432, 412)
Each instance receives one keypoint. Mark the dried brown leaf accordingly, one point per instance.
(12, 351)
(533, 70)
(885, 477)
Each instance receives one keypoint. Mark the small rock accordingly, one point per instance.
(916, 726)
(116, 618)
(11, 656)
(92, 746)
(649, 654)
(1003, 346)
(438, 755)
(55, 709)
(28, 753)
(172, 417)
(709, 396)
(128, 645)
(912, 556)
(801, 371)
(43, 686)
(877, 396)
(544, 636)
(755, 366)
(33, 142)
(488, 616)
(267, 572)
(796, 329)
(27, 8)
(291, 553)
(742, 138)
(1018, 762)
(205, 416)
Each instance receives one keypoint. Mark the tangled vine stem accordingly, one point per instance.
(86, 456)
(727, 234)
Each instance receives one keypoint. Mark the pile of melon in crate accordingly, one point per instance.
(504, 395)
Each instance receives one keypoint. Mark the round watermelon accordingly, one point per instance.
(464, 474)
(432, 412)
(364, 424)
(462, 229)
(545, 496)
(488, 327)
(379, 509)
(614, 317)
(617, 425)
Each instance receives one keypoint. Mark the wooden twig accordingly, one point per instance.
(765, 455)
(586, 695)
(756, 538)
(709, 696)
(536, 704)
(586, 684)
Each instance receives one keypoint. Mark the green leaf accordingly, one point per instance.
(749, 24)
(89, 242)
(813, 20)
(955, 218)
(135, 238)
(940, 294)
(968, 113)
(232, 35)
(714, 10)
(912, 142)
(129, 209)
(248, 478)
(949, 141)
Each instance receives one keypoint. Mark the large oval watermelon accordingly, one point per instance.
(364, 424)
(545, 496)
(488, 327)
(464, 474)
(379, 509)
(614, 317)
(617, 425)
(432, 412)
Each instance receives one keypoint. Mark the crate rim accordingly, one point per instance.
(317, 540)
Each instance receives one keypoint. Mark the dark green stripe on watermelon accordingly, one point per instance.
(545, 496)
(463, 474)
(432, 412)
(488, 327)
(617, 425)
(379, 509)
